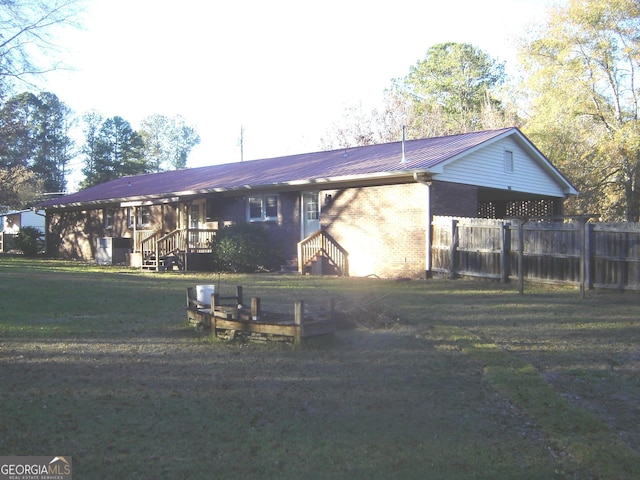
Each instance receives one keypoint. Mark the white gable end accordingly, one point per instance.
(485, 167)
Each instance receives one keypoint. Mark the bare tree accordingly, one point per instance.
(27, 33)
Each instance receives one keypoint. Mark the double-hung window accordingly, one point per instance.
(108, 214)
(143, 217)
(262, 207)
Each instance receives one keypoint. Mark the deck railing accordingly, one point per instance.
(323, 248)
(140, 241)
(200, 240)
(156, 246)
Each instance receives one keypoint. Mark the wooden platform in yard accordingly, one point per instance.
(237, 320)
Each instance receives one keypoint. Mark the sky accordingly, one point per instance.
(282, 70)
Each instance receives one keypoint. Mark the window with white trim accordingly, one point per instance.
(262, 207)
(108, 214)
(508, 161)
(143, 216)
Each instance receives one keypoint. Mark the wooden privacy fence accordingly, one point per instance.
(574, 251)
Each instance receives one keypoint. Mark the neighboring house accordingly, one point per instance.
(11, 222)
(354, 211)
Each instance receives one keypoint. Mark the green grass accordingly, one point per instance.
(438, 379)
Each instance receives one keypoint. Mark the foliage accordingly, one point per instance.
(19, 187)
(28, 240)
(455, 79)
(168, 142)
(584, 102)
(244, 248)
(91, 122)
(113, 150)
(34, 133)
(28, 31)
(454, 89)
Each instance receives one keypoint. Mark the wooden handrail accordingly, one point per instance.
(322, 245)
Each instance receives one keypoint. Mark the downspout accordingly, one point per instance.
(425, 179)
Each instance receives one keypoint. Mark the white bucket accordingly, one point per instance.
(204, 292)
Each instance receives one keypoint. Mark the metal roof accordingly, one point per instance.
(368, 162)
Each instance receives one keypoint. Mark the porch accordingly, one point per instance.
(318, 254)
(160, 251)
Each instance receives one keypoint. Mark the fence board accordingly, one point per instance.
(599, 255)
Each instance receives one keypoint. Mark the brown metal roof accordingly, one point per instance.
(372, 161)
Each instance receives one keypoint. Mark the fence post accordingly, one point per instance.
(521, 256)
(505, 247)
(453, 251)
(239, 296)
(591, 256)
(298, 318)
(586, 282)
(255, 308)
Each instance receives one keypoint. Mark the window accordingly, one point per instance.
(143, 218)
(508, 161)
(263, 207)
(108, 214)
(194, 216)
(312, 210)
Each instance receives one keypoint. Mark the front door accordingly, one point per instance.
(310, 213)
(195, 215)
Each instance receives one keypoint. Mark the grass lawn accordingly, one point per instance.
(438, 379)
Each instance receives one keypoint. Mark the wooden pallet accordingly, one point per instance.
(230, 321)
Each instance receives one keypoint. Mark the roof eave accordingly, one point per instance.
(177, 196)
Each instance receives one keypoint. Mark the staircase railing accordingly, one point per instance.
(140, 240)
(321, 246)
(172, 242)
(155, 247)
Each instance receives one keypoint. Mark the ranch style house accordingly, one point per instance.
(362, 211)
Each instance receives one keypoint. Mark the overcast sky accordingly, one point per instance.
(283, 69)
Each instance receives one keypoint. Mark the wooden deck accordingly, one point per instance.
(251, 322)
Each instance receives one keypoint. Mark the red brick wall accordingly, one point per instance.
(75, 234)
(454, 199)
(382, 228)
(284, 233)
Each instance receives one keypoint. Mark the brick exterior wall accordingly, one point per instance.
(454, 199)
(284, 233)
(74, 234)
(382, 228)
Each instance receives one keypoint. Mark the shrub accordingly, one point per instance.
(244, 248)
(28, 240)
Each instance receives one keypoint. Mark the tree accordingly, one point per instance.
(91, 128)
(27, 30)
(454, 89)
(18, 187)
(455, 81)
(168, 141)
(53, 142)
(34, 133)
(583, 68)
(116, 151)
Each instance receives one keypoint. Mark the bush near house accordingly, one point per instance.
(28, 241)
(244, 248)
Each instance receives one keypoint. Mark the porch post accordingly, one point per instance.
(135, 229)
(187, 217)
(428, 232)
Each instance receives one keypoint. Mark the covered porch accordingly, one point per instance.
(158, 251)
